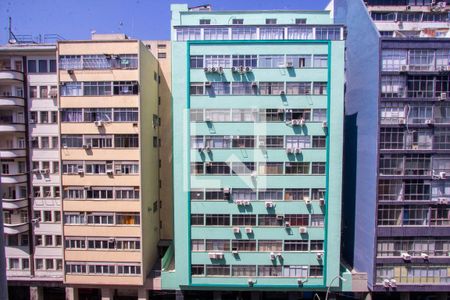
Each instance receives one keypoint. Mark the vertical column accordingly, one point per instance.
(107, 294)
(143, 294)
(36, 293)
(71, 293)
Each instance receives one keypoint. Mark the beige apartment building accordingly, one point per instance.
(109, 164)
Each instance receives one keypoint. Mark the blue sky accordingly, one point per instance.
(142, 19)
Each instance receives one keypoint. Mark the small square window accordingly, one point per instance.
(271, 21)
(162, 55)
(300, 21)
(205, 21)
(238, 21)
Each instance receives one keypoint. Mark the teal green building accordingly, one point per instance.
(258, 105)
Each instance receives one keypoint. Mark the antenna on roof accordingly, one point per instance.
(12, 38)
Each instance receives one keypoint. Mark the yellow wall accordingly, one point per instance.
(165, 154)
(149, 158)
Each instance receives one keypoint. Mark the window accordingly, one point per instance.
(43, 90)
(270, 271)
(243, 115)
(196, 88)
(217, 270)
(316, 271)
(43, 66)
(217, 220)
(296, 194)
(243, 141)
(271, 115)
(126, 140)
(271, 33)
(71, 89)
(300, 33)
(127, 219)
(297, 219)
(271, 21)
(299, 61)
(393, 59)
(244, 220)
(197, 270)
(296, 245)
(244, 61)
(270, 168)
(162, 55)
(297, 168)
(319, 88)
(298, 88)
(197, 219)
(318, 168)
(185, 34)
(270, 245)
(391, 138)
(316, 245)
(217, 245)
(243, 88)
(243, 194)
(217, 61)
(274, 141)
(420, 86)
(196, 62)
(319, 115)
(218, 88)
(243, 33)
(243, 270)
(271, 88)
(320, 61)
(270, 61)
(216, 33)
(126, 87)
(295, 271)
(298, 142)
(32, 68)
(238, 21)
(243, 245)
(242, 168)
(217, 168)
(328, 33)
(52, 66)
(97, 114)
(300, 21)
(67, 62)
(269, 220)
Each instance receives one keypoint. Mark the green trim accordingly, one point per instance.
(327, 173)
(188, 105)
(188, 108)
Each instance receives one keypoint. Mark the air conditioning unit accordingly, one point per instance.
(442, 175)
(272, 256)
(404, 68)
(319, 255)
(262, 144)
(220, 70)
(207, 70)
(36, 171)
(428, 121)
(280, 218)
(386, 283)
(80, 170)
(45, 171)
(234, 69)
(442, 96)
(208, 149)
(254, 174)
(269, 204)
(300, 281)
(87, 146)
(321, 202)
(208, 83)
(248, 230)
(212, 255)
(294, 122)
(70, 71)
(443, 201)
(393, 283)
(98, 123)
(324, 124)
(200, 150)
(301, 122)
(298, 150)
(248, 69)
(214, 69)
(251, 282)
(246, 202)
(406, 256)
(36, 220)
(111, 240)
(401, 121)
(235, 251)
(289, 150)
(109, 171)
(302, 229)
(424, 256)
(254, 84)
(289, 64)
(219, 255)
(307, 200)
(282, 93)
(236, 230)
(287, 224)
(241, 69)
(279, 255)
(239, 202)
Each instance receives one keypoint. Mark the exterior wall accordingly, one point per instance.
(178, 275)
(159, 49)
(145, 101)
(361, 129)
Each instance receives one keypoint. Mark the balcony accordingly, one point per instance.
(11, 101)
(14, 203)
(12, 153)
(13, 178)
(11, 75)
(15, 228)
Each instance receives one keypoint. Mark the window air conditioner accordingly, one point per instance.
(86, 146)
(302, 230)
(98, 123)
(319, 255)
(248, 230)
(236, 230)
(406, 256)
(269, 204)
(272, 256)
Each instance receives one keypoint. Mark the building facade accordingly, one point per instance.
(30, 168)
(109, 164)
(257, 150)
(401, 211)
